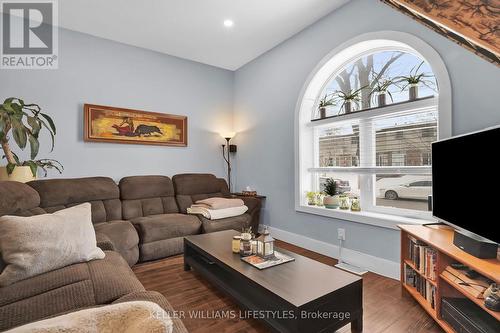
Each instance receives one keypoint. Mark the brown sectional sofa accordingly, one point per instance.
(140, 219)
(149, 203)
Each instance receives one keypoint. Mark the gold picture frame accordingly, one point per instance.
(128, 126)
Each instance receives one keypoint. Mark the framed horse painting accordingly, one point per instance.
(119, 125)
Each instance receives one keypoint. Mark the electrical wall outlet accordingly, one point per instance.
(341, 234)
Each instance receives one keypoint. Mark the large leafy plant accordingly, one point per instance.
(331, 187)
(24, 122)
(353, 95)
(415, 76)
(381, 86)
(327, 100)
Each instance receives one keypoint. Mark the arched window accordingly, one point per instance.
(366, 120)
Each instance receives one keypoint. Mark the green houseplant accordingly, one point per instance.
(331, 199)
(380, 91)
(311, 198)
(348, 98)
(413, 80)
(326, 101)
(24, 122)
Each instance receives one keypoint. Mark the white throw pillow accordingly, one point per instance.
(37, 244)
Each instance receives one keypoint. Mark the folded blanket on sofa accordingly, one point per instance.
(128, 317)
(217, 214)
(218, 203)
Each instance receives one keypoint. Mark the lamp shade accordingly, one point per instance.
(228, 135)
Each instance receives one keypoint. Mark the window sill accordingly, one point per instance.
(376, 219)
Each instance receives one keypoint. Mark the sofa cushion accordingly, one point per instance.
(142, 187)
(104, 243)
(102, 193)
(234, 223)
(66, 289)
(161, 248)
(165, 226)
(196, 183)
(147, 195)
(191, 187)
(44, 283)
(38, 244)
(16, 198)
(123, 236)
(112, 278)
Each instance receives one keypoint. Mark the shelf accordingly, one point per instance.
(419, 103)
(478, 301)
(423, 302)
(441, 238)
(408, 262)
(427, 307)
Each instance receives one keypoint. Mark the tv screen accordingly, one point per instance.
(466, 183)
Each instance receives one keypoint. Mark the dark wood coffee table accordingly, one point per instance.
(300, 296)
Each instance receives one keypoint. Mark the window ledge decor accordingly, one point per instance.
(389, 221)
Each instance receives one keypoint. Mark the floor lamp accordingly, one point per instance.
(226, 153)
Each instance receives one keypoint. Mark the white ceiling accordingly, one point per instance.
(193, 29)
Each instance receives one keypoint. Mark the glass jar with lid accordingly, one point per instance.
(246, 245)
(236, 244)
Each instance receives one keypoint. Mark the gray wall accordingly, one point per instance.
(266, 93)
(98, 71)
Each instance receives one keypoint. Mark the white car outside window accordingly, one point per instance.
(420, 190)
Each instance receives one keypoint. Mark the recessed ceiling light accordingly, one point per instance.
(228, 23)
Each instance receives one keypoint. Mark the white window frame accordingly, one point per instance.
(367, 169)
(306, 152)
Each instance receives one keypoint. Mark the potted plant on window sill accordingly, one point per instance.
(380, 92)
(24, 123)
(413, 80)
(331, 199)
(323, 104)
(349, 99)
(311, 198)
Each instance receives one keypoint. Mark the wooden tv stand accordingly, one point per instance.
(440, 239)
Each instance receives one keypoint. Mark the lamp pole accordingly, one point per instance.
(228, 161)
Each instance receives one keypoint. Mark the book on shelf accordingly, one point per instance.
(423, 257)
(421, 285)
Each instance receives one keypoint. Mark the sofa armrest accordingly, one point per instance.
(104, 243)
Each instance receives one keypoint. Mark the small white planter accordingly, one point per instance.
(20, 174)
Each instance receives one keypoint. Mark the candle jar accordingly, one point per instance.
(355, 205)
(246, 245)
(236, 244)
(344, 202)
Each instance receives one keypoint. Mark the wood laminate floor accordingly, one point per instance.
(386, 308)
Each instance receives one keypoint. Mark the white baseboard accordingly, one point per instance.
(371, 263)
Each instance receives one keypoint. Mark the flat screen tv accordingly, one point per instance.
(466, 183)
